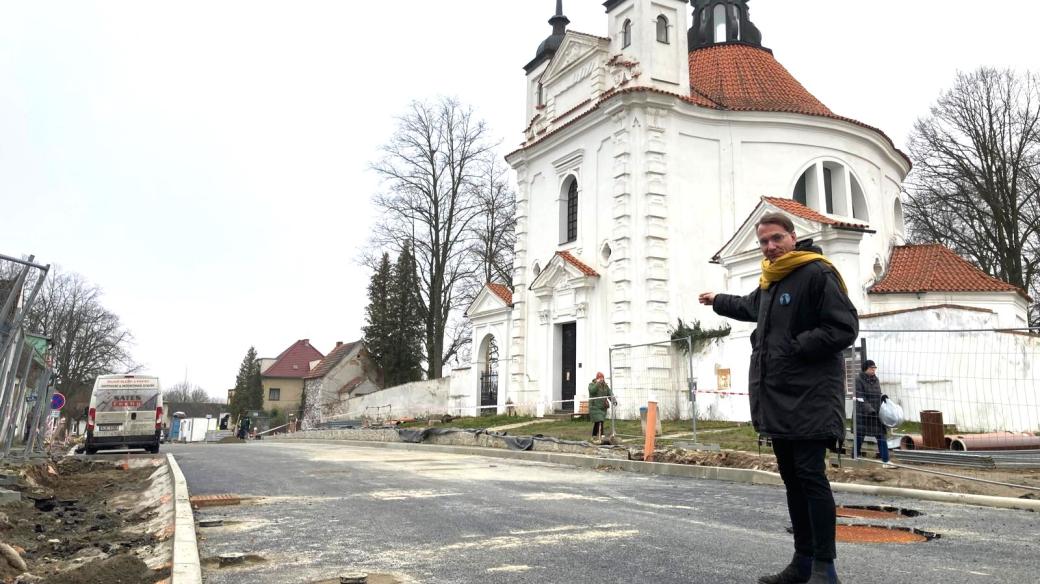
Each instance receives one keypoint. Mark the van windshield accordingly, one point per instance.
(118, 400)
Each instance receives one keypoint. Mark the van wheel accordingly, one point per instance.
(154, 449)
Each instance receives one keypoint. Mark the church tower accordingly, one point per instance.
(652, 34)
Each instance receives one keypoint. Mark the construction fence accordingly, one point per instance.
(26, 368)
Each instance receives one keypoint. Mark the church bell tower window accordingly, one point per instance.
(662, 29)
(626, 34)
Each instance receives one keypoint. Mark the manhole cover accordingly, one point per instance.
(881, 534)
(875, 512)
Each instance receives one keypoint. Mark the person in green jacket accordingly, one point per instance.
(598, 407)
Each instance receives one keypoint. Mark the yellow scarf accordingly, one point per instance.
(791, 261)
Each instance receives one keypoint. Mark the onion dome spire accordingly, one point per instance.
(549, 46)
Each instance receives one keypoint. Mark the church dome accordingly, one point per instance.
(742, 77)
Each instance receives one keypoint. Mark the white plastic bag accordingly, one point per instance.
(890, 413)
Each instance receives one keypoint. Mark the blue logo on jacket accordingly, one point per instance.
(785, 299)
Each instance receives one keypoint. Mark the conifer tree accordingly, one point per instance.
(242, 399)
(378, 331)
(407, 327)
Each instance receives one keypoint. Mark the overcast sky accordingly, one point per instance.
(205, 162)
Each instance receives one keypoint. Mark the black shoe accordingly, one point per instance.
(792, 574)
(824, 573)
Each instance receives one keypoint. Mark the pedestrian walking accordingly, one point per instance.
(600, 400)
(796, 382)
(868, 405)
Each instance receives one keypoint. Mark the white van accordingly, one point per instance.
(125, 412)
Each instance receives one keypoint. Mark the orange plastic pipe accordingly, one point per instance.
(651, 432)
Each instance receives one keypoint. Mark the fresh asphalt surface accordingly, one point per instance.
(324, 509)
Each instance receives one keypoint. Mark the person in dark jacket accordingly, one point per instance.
(804, 321)
(600, 399)
(868, 404)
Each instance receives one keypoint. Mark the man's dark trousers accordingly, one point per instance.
(803, 467)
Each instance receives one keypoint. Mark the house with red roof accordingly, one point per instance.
(348, 371)
(283, 378)
(649, 154)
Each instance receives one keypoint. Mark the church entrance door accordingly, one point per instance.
(568, 372)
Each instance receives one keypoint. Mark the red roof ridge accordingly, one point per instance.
(335, 356)
(502, 291)
(799, 210)
(294, 362)
(794, 208)
(569, 258)
(933, 267)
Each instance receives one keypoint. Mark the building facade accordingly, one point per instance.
(648, 156)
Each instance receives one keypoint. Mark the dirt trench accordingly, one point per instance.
(88, 521)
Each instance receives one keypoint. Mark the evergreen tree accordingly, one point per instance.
(378, 331)
(407, 327)
(242, 400)
(254, 387)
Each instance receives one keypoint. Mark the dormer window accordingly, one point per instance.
(626, 34)
(662, 29)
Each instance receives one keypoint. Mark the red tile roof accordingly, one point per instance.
(745, 78)
(791, 207)
(585, 269)
(734, 77)
(332, 359)
(936, 268)
(295, 361)
(502, 292)
(799, 210)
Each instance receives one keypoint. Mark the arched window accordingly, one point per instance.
(662, 29)
(830, 187)
(626, 34)
(719, 16)
(572, 212)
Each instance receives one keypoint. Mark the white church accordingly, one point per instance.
(648, 156)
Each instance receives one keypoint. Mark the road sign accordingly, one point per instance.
(57, 401)
(55, 413)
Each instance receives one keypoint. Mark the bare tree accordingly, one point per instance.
(184, 392)
(89, 340)
(976, 182)
(495, 231)
(431, 168)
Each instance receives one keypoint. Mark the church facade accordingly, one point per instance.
(648, 157)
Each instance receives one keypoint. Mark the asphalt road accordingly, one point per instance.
(441, 518)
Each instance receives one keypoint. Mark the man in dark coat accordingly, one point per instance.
(868, 404)
(805, 320)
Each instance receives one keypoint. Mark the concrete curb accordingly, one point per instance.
(736, 475)
(186, 566)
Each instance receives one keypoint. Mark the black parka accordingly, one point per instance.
(797, 375)
(868, 388)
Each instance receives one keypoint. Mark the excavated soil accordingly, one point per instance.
(85, 521)
(889, 477)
